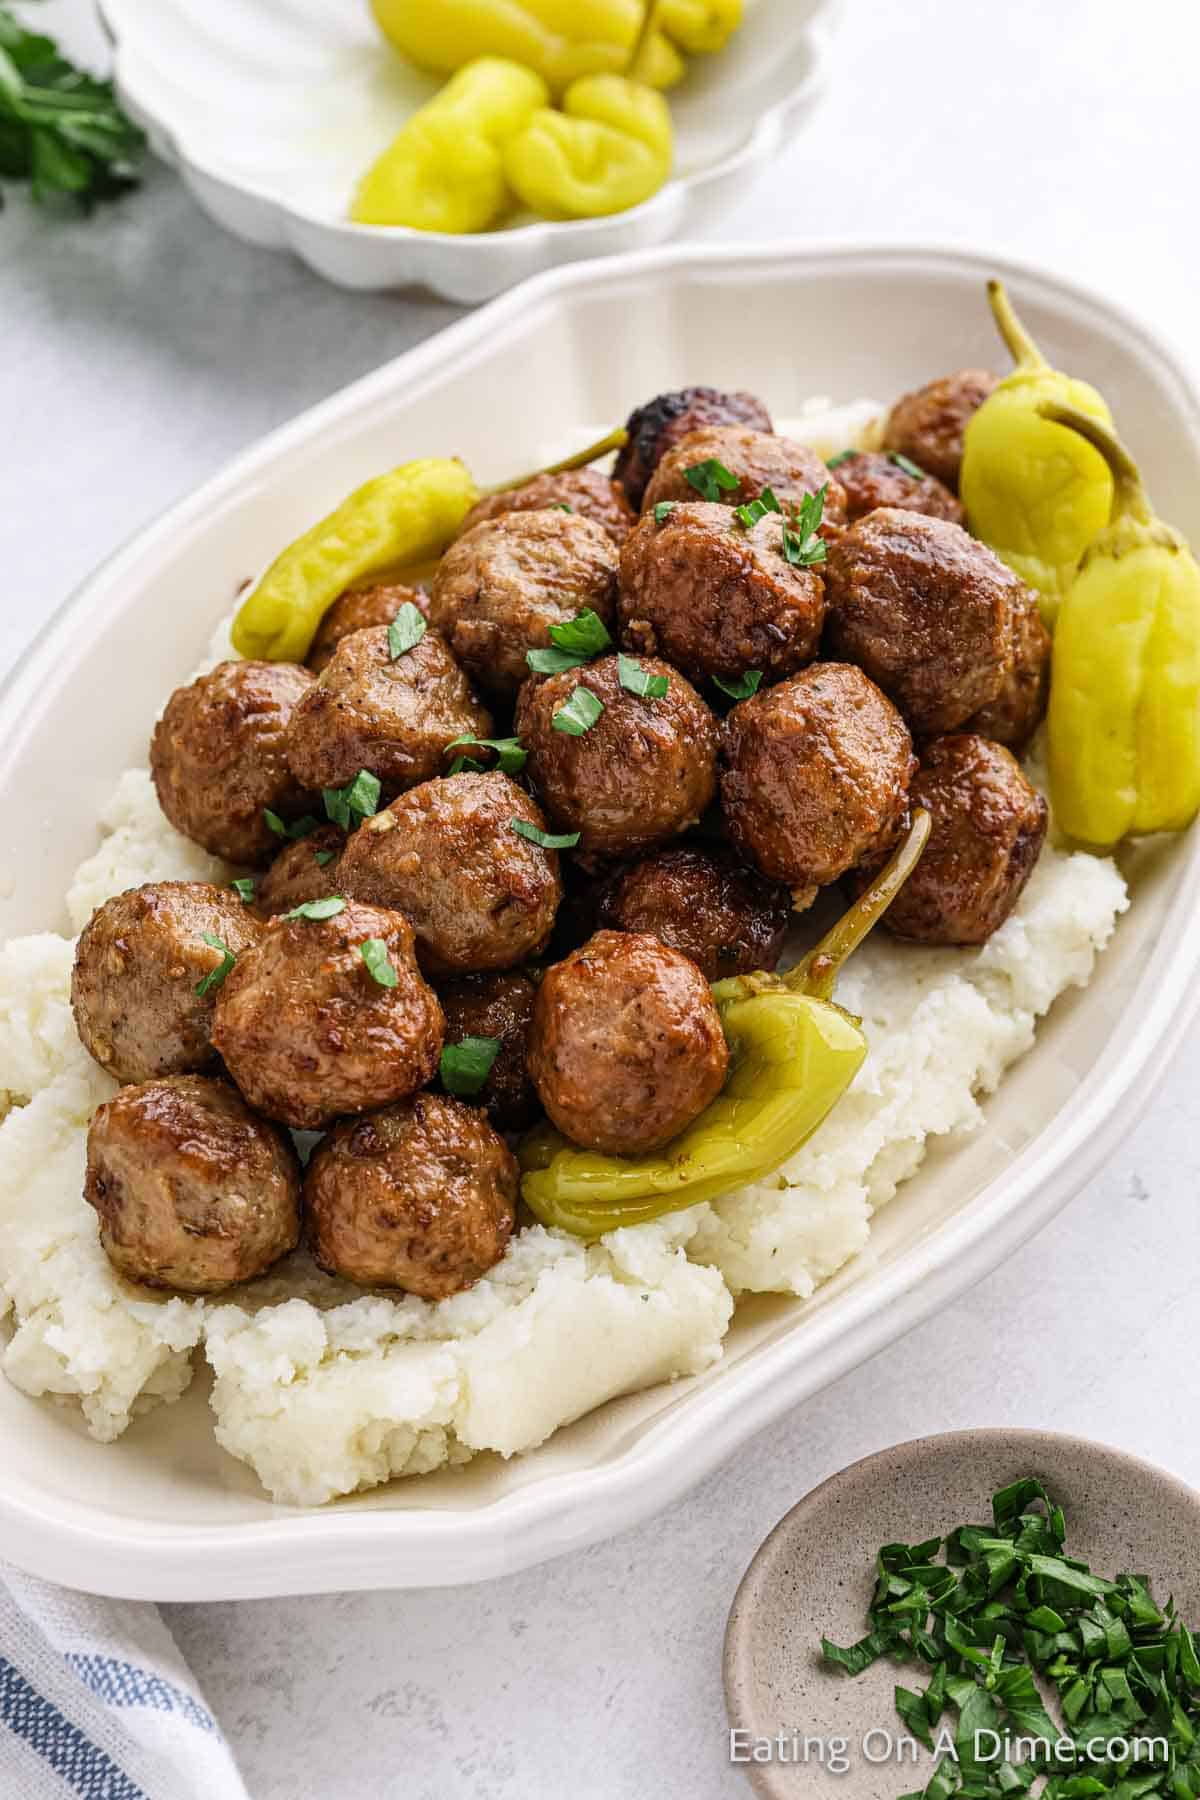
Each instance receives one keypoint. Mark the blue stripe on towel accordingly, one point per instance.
(81, 1764)
(121, 1684)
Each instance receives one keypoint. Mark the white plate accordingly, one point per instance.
(164, 1513)
(272, 110)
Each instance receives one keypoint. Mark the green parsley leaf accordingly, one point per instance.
(562, 506)
(663, 511)
(466, 765)
(906, 463)
(299, 828)
(547, 840)
(329, 908)
(757, 509)
(406, 630)
(711, 479)
(744, 687)
(359, 799)
(843, 456)
(374, 953)
(578, 714)
(801, 545)
(323, 858)
(510, 757)
(575, 641)
(244, 888)
(635, 680)
(215, 977)
(466, 1065)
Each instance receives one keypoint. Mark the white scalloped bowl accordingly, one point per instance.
(272, 109)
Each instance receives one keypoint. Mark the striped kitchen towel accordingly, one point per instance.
(96, 1703)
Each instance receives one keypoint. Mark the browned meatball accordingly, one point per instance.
(498, 1007)
(1020, 706)
(305, 870)
(816, 775)
(928, 425)
(658, 426)
(307, 1030)
(219, 760)
(758, 460)
(583, 491)
(926, 610)
(626, 1047)
(702, 902)
(499, 589)
(138, 965)
(193, 1191)
(874, 478)
(421, 1195)
(644, 772)
(717, 599)
(392, 715)
(356, 610)
(477, 893)
(989, 825)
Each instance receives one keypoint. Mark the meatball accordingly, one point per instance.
(642, 773)
(356, 610)
(658, 426)
(140, 964)
(1020, 706)
(392, 715)
(702, 902)
(192, 1190)
(421, 1195)
(499, 1007)
(219, 759)
(308, 1031)
(583, 491)
(305, 870)
(927, 611)
(872, 478)
(928, 425)
(499, 589)
(759, 461)
(478, 894)
(717, 599)
(989, 825)
(626, 1047)
(815, 776)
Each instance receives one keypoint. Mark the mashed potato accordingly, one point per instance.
(324, 1390)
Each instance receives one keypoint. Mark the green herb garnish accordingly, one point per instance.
(213, 980)
(359, 799)
(510, 757)
(843, 456)
(578, 714)
(374, 953)
(323, 858)
(546, 840)
(575, 641)
(406, 630)
(801, 545)
(743, 687)
(466, 1065)
(328, 908)
(711, 479)
(562, 506)
(299, 828)
(245, 889)
(908, 465)
(635, 680)
(757, 509)
(663, 511)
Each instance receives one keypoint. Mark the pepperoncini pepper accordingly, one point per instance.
(1034, 492)
(793, 1054)
(610, 148)
(1124, 719)
(444, 170)
(388, 525)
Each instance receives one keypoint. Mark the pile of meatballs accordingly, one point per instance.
(427, 972)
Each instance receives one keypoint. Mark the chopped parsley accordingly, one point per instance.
(546, 840)
(466, 1065)
(510, 757)
(663, 511)
(215, 977)
(374, 953)
(843, 456)
(299, 828)
(743, 687)
(635, 680)
(908, 465)
(801, 545)
(245, 889)
(406, 630)
(562, 506)
(323, 858)
(757, 509)
(359, 799)
(329, 908)
(579, 713)
(575, 641)
(711, 479)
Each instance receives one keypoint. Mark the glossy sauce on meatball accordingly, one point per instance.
(757, 460)
(499, 589)
(421, 1196)
(626, 1047)
(357, 610)
(305, 870)
(659, 425)
(642, 773)
(584, 491)
(1020, 706)
(392, 715)
(478, 894)
(716, 599)
(703, 902)
(499, 1007)
(928, 424)
(219, 757)
(193, 1191)
(139, 964)
(309, 1033)
(815, 776)
(873, 478)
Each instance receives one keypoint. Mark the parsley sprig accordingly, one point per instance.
(801, 545)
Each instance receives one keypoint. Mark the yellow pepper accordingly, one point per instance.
(444, 171)
(1034, 492)
(699, 26)
(793, 1054)
(1124, 721)
(395, 521)
(610, 148)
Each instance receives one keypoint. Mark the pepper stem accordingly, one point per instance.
(1131, 497)
(818, 972)
(1025, 352)
(616, 440)
(642, 40)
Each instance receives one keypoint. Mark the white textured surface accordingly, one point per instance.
(139, 352)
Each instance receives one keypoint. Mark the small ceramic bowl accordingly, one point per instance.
(813, 1576)
(272, 110)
